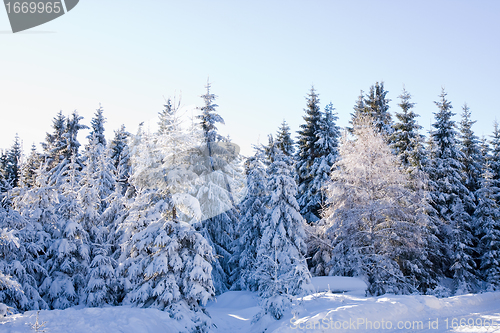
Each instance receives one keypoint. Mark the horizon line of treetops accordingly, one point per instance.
(168, 220)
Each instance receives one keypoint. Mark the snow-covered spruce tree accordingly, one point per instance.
(472, 159)
(95, 185)
(285, 140)
(4, 184)
(87, 195)
(99, 167)
(121, 158)
(108, 251)
(306, 155)
(166, 263)
(406, 140)
(102, 285)
(29, 168)
(375, 221)
(376, 106)
(115, 213)
(73, 126)
(326, 148)
(13, 163)
(449, 197)
(16, 263)
(218, 184)
(19, 260)
(487, 219)
(281, 269)
(172, 261)
(328, 143)
(62, 145)
(69, 254)
(55, 143)
(97, 127)
(38, 206)
(98, 160)
(495, 157)
(250, 225)
(11, 292)
(359, 110)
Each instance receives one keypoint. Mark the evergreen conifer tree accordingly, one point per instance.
(281, 269)
(376, 106)
(307, 153)
(449, 198)
(19, 262)
(29, 168)
(285, 140)
(69, 254)
(216, 167)
(326, 146)
(61, 146)
(13, 163)
(73, 126)
(55, 143)
(495, 157)
(472, 159)
(165, 262)
(120, 155)
(359, 110)
(406, 140)
(487, 219)
(97, 127)
(250, 225)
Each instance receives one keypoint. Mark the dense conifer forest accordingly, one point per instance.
(170, 219)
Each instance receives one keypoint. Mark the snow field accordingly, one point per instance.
(233, 311)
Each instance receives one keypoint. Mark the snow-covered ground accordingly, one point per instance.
(324, 311)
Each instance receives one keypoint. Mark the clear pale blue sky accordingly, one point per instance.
(261, 56)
